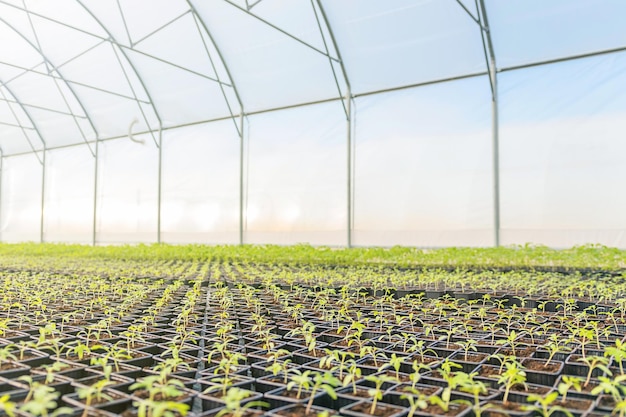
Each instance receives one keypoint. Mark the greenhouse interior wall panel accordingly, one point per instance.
(413, 123)
(200, 188)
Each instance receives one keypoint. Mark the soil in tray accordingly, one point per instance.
(293, 394)
(502, 409)
(402, 377)
(472, 357)
(540, 366)
(158, 397)
(300, 410)
(435, 410)
(491, 372)
(360, 392)
(426, 390)
(520, 352)
(531, 389)
(26, 356)
(113, 397)
(381, 409)
(587, 389)
(10, 365)
(426, 359)
(576, 404)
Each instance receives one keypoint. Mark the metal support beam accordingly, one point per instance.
(240, 126)
(123, 52)
(50, 65)
(17, 119)
(198, 21)
(469, 13)
(348, 110)
(34, 106)
(349, 164)
(43, 194)
(16, 125)
(241, 174)
(95, 195)
(159, 190)
(284, 32)
(495, 143)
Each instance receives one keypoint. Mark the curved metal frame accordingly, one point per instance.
(67, 84)
(69, 87)
(157, 115)
(348, 110)
(490, 57)
(240, 126)
(30, 119)
(41, 160)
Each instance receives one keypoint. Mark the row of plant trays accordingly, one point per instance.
(276, 350)
(272, 389)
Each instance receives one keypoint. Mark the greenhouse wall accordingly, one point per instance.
(418, 123)
(200, 196)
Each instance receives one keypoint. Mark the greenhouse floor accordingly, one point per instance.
(265, 331)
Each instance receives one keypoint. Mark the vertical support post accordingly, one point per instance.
(241, 173)
(496, 159)
(490, 57)
(95, 194)
(159, 185)
(43, 193)
(349, 143)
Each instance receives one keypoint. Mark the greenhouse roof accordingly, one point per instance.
(77, 71)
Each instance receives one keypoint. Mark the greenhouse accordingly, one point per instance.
(283, 208)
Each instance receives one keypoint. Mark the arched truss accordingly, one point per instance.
(123, 60)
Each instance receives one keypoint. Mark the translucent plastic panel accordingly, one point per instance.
(61, 43)
(201, 184)
(127, 191)
(113, 115)
(17, 48)
(423, 166)
(17, 109)
(534, 30)
(8, 71)
(140, 24)
(69, 12)
(12, 140)
(295, 18)
(166, 43)
(18, 19)
(56, 129)
(185, 97)
(269, 68)
(38, 89)
(296, 181)
(108, 13)
(20, 204)
(68, 208)
(387, 44)
(562, 147)
(16, 129)
(100, 68)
